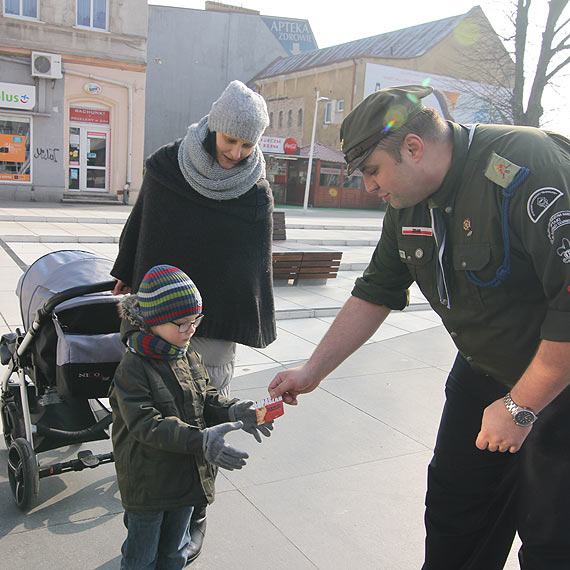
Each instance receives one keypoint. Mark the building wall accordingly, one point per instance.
(114, 97)
(472, 52)
(192, 56)
(55, 32)
(116, 55)
(298, 91)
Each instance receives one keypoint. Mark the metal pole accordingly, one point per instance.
(308, 183)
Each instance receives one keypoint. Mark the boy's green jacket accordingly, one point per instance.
(159, 410)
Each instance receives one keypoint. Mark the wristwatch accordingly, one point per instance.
(521, 416)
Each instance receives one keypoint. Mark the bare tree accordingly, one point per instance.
(553, 57)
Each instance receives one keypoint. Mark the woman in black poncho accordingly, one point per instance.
(206, 207)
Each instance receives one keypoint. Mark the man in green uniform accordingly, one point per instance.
(479, 217)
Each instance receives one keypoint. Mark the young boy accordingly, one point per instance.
(168, 423)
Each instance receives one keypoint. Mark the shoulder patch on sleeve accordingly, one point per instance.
(557, 221)
(500, 170)
(540, 200)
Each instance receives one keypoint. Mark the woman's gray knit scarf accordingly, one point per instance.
(207, 177)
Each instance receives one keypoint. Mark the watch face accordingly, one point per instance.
(524, 418)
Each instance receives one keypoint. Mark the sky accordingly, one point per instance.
(334, 22)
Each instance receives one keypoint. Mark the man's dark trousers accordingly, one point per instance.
(477, 500)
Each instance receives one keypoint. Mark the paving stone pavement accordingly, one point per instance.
(340, 483)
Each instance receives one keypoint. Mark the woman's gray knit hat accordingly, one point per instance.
(239, 112)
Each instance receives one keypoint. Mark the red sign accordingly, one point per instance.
(82, 115)
(290, 146)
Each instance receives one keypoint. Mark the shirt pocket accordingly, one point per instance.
(472, 257)
(478, 259)
(418, 252)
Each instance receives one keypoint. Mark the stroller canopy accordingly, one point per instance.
(57, 272)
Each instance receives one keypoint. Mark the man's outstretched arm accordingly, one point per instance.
(357, 321)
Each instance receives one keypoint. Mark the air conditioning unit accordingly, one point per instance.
(46, 65)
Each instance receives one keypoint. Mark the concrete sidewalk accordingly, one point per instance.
(338, 486)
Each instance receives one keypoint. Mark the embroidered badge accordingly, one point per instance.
(564, 250)
(540, 200)
(556, 222)
(402, 253)
(416, 231)
(500, 170)
(467, 224)
(419, 253)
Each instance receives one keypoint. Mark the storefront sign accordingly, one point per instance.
(92, 88)
(295, 36)
(16, 96)
(82, 115)
(12, 148)
(279, 145)
(290, 146)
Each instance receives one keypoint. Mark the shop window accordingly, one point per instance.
(290, 119)
(24, 8)
(271, 120)
(330, 175)
(328, 112)
(92, 14)
(14, 149)
(300, 118)
(353, 181)
(280, 119)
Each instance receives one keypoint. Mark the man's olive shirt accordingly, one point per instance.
(498, 329)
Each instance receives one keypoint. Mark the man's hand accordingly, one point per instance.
(498, 430)
(290, 383)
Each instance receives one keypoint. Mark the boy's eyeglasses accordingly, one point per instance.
(185, 327)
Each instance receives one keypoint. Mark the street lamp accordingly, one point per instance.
(308, 183)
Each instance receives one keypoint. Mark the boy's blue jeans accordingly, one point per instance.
(156, 541)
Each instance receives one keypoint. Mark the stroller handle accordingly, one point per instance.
(79, 291)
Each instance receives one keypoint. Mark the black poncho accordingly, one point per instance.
(223, 245)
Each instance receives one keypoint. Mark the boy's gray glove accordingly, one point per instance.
(245, 412)
(218, 452)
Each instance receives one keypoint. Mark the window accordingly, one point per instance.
(92, 14)
(271, 120)
(352, 181)
(340, 105)
(280, 119)
(328, 112)
(290, 119)
(24, 8)
(330, 175)
(300, 118)
(14, 148)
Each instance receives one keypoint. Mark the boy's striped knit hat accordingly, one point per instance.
(166, 294)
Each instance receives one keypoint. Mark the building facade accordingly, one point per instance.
(461, 57)
(193, 55)
(72, 91)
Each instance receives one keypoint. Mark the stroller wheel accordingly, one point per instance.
(23, 473)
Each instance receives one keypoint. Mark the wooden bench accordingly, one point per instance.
(279, 226)
(290, 267)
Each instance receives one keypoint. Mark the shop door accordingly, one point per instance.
(88, 158)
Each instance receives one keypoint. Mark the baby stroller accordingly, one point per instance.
(60, 369)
